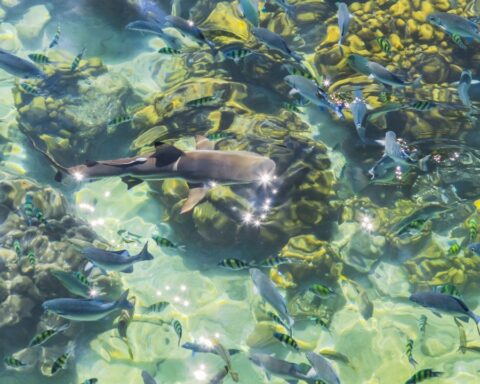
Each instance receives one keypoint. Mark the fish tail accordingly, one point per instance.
(123, 302)
(235, 376)
(412, 361)
(144, 254)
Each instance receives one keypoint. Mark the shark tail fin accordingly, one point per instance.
(144, 254)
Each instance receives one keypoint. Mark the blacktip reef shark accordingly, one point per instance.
(202, 168)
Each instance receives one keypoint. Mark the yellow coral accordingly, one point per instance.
(283, 280)
(412, 26)
(425, 32)
(333, 34)
(396, 41)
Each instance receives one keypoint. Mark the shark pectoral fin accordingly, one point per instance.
(131, 181)
(195, 195)
(203, 143)
(128, 270)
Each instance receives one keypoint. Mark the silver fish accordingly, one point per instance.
(249, 10)
(359, 110)
(440, 302)
(464, 87)
(384, 76)
(19, 67)
(321, 369)
(218, 378)
(156, 29)
(86, 309)
(187, 27)
(344, 18)
(275, 42)
(269, 292)
(203, 165)
(359, 64)
(119, 261)
(147, 378)
(225, 355)
(291, 372)
(205, 348)
(455, 25)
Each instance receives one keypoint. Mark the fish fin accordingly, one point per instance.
(166, 154)
(203, 143)
(128, 270)
(269, 376)
(91, 163)
(58, 177)
(144, 254)
(465, 319)
(123, 302)
(195, 195)
(437, 314)
(138, 160)
(88, 267)
(131, 181)
(234, 351)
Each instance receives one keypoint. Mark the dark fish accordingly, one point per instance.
(457, 39)
(90, 381)
(156, 29)
(62, 361)
(31, 90)
(187, 27)
(77, 59)
(384, 44)
(164, 242)
(177, 327)
(56, 38)
(409, 353)
(236, 54)
(169, 51)
(28, 208)
(31, 258)
(46, 335)
(12, 362)
(287, 340)
(119, 120)
(39, 58)
(19, 67)
(275, 41)
(157, 307)
(422, 324)
(205, 348)
(320, 290)
(234, 264)
(422, 375)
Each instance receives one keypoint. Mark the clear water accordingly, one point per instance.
(373, 241)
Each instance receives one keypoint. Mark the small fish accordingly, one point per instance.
(298, 70)
(462, 336)
(359, 111)
(249, 10)
(274, 317)
(203, 101)
(236, 54)
(90, 381)
(77, 59)
(384, 44)
(28, 208)
(169, 51)
(320, 321)
(119, 120)
(177, 327)
(275, 42)
(218, 136)
(218, 378)
(12, 362)
(383, 75)
(322, 368)
(32, 258)
(336, 356)
(287, 340)
(164, 242)
(46, 335)
(205, 348)
(39, 58)
(123, 323)
(320, 290)
(454, 24)
(31, 90)
(409, 353)
(422, 375)
(187, 27)
(74, 282)
(225, 355)
(454, 248)
(291, 372)
(384, 97)
(157, 307)
(18, 249)
(472, 228)
(234, 264)
(422, 105)
(39, 215)
(457, 39)
(56, 38)
(289, 9)
(274, 261)
(129, 237)
(464, 87)
(344, 18)
(62, 361)
(147, 378)
(422, 324)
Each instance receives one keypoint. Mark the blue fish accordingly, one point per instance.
(86, 309)
(359, 110)
(249, 10)
(119, 261)
(19, 67)
(344, 18)
(275, 41)
(187, 27)
(156, 29)
(455, 25)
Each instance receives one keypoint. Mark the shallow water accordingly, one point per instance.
(372, 231)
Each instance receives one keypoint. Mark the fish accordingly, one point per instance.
(287, 340)
(39, 58)
(31, 90)
(249, 10)
(299, 70)
(422, 324)
(62, 361)
(309, 90)
(225, 355)
(235, 53)
(198, 167)
(219, 376)
(393, 150)
(74, 282)
(440, 302)
(56, 38)
(31, 258)
(46, 335)
(422, 105)
(320, 321)
(28, 208)
(274, 317)
(384, 44)
(164, 242)
(86, 309)
(119, 120)
(472, 228)
(169, 51)
(206, 100)
(19, 67)
(292, 107)
(157, 307)
(119, 261)
(234, 264)
(422, 375)
(359, 111)
(291, 372)
(12, 362)
(129, 237)
(275, 42)
(359, 64)
(90, 381)
(454, 248)
(457, 39)
(289, 9)
(320, 290)
(384, 76)
(336, 356)
(474, 247)
(123, 322)
(269, 292)
(274, 261)
(187, 27)
(462, 336)
(463, 88)
(177, 327)
(37, 212)
(215, 136)
(147, 378)
(156, 29)
(321, 369)
(409, 353)
(344, 18)
(18, 249)
(77, 59)
(453, 24)
(205, 347)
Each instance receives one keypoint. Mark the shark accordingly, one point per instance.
(203, 168)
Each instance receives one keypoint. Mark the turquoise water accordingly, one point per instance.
(260, 167)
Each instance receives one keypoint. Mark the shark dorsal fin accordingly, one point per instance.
(166, 154)
(91, 163)
(203, 143)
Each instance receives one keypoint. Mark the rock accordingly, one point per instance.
(391, 280)
(8, 38)
(10, 3)
(33, 22)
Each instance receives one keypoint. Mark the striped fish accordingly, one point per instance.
(236, 54)
(56, 38)
(320, 290)
(46, 335)
(12, 362)
(18, 249)
(39, 58)
(77, 59)
(234, 264)
(32, 258)
(274, 317)
(62, 361)
(119, 120)
(39, 215)
(472, 228)
(177, 327)
(423, 375)
(287, 340)
(422, 324)
(422, 105)
(169, 51)
(207, 100)
(384, 44)
(457, 39)
(409, 353)
(28, 208)
(31, 90)
(158, 307)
